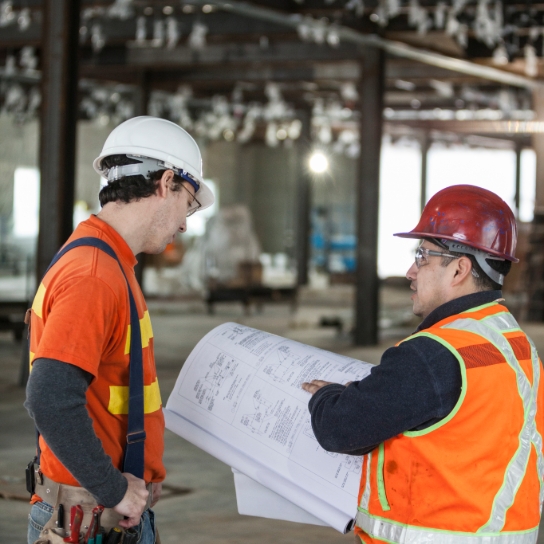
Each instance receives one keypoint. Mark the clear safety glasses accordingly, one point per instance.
(194, 205)
(423, 254)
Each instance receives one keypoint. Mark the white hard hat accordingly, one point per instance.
(156, 143)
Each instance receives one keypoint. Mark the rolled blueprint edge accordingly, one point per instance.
(237, 459)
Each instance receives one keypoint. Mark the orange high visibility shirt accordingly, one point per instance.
(475, 476)
(81, 316)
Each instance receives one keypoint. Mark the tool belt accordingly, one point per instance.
(56, 494)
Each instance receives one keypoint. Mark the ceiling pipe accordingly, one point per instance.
(397, 49)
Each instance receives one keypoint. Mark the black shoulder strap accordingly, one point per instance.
(134, 451)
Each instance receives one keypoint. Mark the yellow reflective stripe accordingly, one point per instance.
(381, 484)
(146, 331)
(38, 300)
(118, 404)
(478, 308)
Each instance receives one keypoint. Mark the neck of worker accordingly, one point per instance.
(131, 220)
(459, 305)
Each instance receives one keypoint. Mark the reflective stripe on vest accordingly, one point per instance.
(390, 531)
(366, 494)
(492, 329)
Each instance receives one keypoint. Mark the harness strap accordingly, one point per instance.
(134, 450)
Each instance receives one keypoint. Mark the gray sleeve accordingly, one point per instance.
(56, 401)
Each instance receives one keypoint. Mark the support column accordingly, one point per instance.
(371, 89)
(142, 94)
(303, 204)
(538, 145)
(425, 145)
(141, 101)
(58, 123)
(534, 283)
(517, 194)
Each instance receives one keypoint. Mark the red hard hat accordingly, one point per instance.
(471, 216)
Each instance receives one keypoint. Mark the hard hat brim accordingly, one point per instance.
(205, 196)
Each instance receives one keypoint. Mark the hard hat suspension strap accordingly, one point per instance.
(480, 257)
(144, 166)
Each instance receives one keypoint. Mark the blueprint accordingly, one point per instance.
(243, 387)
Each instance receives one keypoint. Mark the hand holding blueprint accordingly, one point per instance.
(239, 398)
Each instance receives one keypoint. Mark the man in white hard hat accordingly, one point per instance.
(93, 391)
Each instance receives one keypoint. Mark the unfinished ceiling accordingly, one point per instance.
(448, 62)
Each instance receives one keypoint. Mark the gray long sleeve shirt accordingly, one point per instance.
(56, 400)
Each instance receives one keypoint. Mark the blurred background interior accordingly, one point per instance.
(325, 126)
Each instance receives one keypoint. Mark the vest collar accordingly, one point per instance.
(457, 306)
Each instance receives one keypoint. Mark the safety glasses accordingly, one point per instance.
(194, 205)
(423, 254)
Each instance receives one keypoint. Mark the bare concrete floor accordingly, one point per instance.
(208, 512)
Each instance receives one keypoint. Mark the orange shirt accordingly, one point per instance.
(81, 316)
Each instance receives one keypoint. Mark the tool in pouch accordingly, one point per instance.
(94, 527)
(76, 519)
(134, 452)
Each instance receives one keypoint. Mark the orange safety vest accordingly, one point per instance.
(476, 476)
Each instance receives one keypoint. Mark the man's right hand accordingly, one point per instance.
(133, 503)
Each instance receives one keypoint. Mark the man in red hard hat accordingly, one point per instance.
(451, 422)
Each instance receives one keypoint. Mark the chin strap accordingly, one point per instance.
(480, 256)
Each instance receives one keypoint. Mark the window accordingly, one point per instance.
(26, 202)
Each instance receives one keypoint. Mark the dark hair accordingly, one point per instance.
(131, 188)
(482, 281)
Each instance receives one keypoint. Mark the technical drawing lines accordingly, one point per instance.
(283, 366)
(259, 421)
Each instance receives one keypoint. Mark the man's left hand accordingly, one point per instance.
(314, 386)
(157, 491)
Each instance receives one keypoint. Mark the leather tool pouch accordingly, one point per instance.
(54, 494)
(67, 495)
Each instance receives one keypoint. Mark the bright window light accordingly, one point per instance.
(26, 202)
(318, 162)
(492, 169)
(400, 173)
(527, 185)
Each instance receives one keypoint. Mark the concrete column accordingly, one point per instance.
(141, 101)
(60, 35)
(538, 145)
(425, 145)
(371, 89)
(535, 272)
(303, 205)
(517, 194)
(142, 93)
